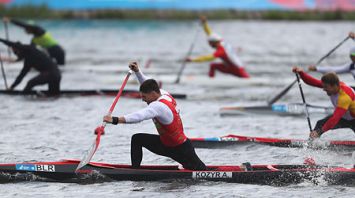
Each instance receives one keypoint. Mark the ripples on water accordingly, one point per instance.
(98, 52)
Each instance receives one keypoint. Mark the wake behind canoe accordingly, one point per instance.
(64, 171)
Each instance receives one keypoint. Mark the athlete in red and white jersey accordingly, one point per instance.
(342, 97)
(171, 141)
(231, 63)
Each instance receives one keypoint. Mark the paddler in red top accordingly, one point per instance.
(231, 64)
(171, 141)
(342, 97)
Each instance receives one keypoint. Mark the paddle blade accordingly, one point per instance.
(90, 153)
(100, 130)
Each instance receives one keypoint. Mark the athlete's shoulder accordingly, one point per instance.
(346, 89)
(220, 51)
(158, 103)
(345, 97)
(154, 104)
(164, 92)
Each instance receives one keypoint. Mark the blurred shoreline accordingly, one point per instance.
(43, 12)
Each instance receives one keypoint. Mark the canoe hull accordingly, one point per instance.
(99, 172)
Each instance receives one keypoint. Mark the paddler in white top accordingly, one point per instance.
(171, 141)
(231, 64)
(346, 68)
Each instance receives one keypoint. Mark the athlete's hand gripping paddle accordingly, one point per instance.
(100, 129)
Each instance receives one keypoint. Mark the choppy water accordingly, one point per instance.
(98, 52)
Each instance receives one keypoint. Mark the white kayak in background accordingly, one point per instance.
(291, 109)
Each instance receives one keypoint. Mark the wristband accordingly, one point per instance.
(114, 120)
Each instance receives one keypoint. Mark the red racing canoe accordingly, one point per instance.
(64, 171)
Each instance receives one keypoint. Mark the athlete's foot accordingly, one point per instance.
(135, 167)
(246, 166)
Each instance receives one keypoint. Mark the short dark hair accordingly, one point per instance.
(149, 86)
(330, 78)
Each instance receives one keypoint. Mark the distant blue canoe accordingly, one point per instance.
(291, 109)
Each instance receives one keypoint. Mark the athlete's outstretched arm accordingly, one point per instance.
(205, 25)
(308, 79)
(337, 69)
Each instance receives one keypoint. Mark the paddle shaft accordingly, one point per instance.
(284, 91)
(7, 37)
(187, 55)
(3, 73)
(304, 101)
(118, 96)
(86, 159)
(148, 63)
(332, 50)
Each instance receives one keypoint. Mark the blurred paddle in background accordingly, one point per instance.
(187, 55)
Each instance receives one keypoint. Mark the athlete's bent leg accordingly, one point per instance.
(58, 54)
(240, 72)
(214, 67)
(185, 154)
(54, 85)
(38, 80)
(342, 123)
(228, 69)
(235, 71)
(148, 141)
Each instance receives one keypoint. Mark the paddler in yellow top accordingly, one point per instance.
(230, 64)
(43, 39)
